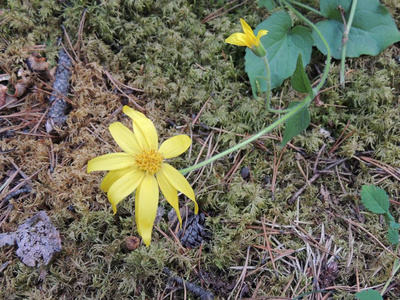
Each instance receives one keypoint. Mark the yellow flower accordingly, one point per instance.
(142, 168)
(248, 39)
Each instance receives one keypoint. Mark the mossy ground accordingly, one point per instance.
(164, 48)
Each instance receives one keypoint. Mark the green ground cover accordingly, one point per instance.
(260, 245)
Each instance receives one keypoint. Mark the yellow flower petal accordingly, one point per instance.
(175, 146)
(170, 193)
(248, 39)
(124, 138)
(143, 128)
(124, 186)
(135, 169)
(261, 33)
(112, 177)
(111, 161)
(248, 31)
(238, 39)
(179, 182)
(146, 204)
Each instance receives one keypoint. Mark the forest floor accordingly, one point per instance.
(279, 223)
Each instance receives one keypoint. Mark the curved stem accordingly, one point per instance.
(278, 122)
(288, 115)
(306, 7)
(328, 50)
(396, 267)
(345, 39)
(268, 99)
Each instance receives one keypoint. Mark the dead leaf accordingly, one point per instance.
(37, 63)
(20, 89)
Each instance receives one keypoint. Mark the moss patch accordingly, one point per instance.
(163, 48)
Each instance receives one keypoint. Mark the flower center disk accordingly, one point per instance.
(149, 161)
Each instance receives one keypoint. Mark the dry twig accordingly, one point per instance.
(194, 288)
(223, 10)
(315, 177)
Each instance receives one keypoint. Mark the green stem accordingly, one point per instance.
(345, 39)
(306, 7)
(342, 65)
(268, 99)
(396, 267)
(278, 122)
(309, 293)
(288, 115)
(328, 50)
(266, 63)
(352, 12)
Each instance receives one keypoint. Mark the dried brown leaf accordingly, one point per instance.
(37, 63)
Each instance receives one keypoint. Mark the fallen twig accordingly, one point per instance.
(223, 10)
(315, 177)
(387, 168)
(115, 83)
(3, 266)
(194, 288)
(13, 194)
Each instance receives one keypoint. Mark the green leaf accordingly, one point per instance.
(300, 81)
(375, 199)
(373, 28)
(394, 225)
(296, 124)
(268, 4)
(369, 295)
(393, 236)
(283, 46)
(393, 232)
(389, 219)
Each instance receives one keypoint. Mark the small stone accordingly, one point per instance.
(245, 172)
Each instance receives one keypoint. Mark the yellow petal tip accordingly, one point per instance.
(146, 241)
(126, 109)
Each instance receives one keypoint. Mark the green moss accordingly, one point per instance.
(163, 48)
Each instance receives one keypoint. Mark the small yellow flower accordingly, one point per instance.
(142, 168)
(248, 39)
